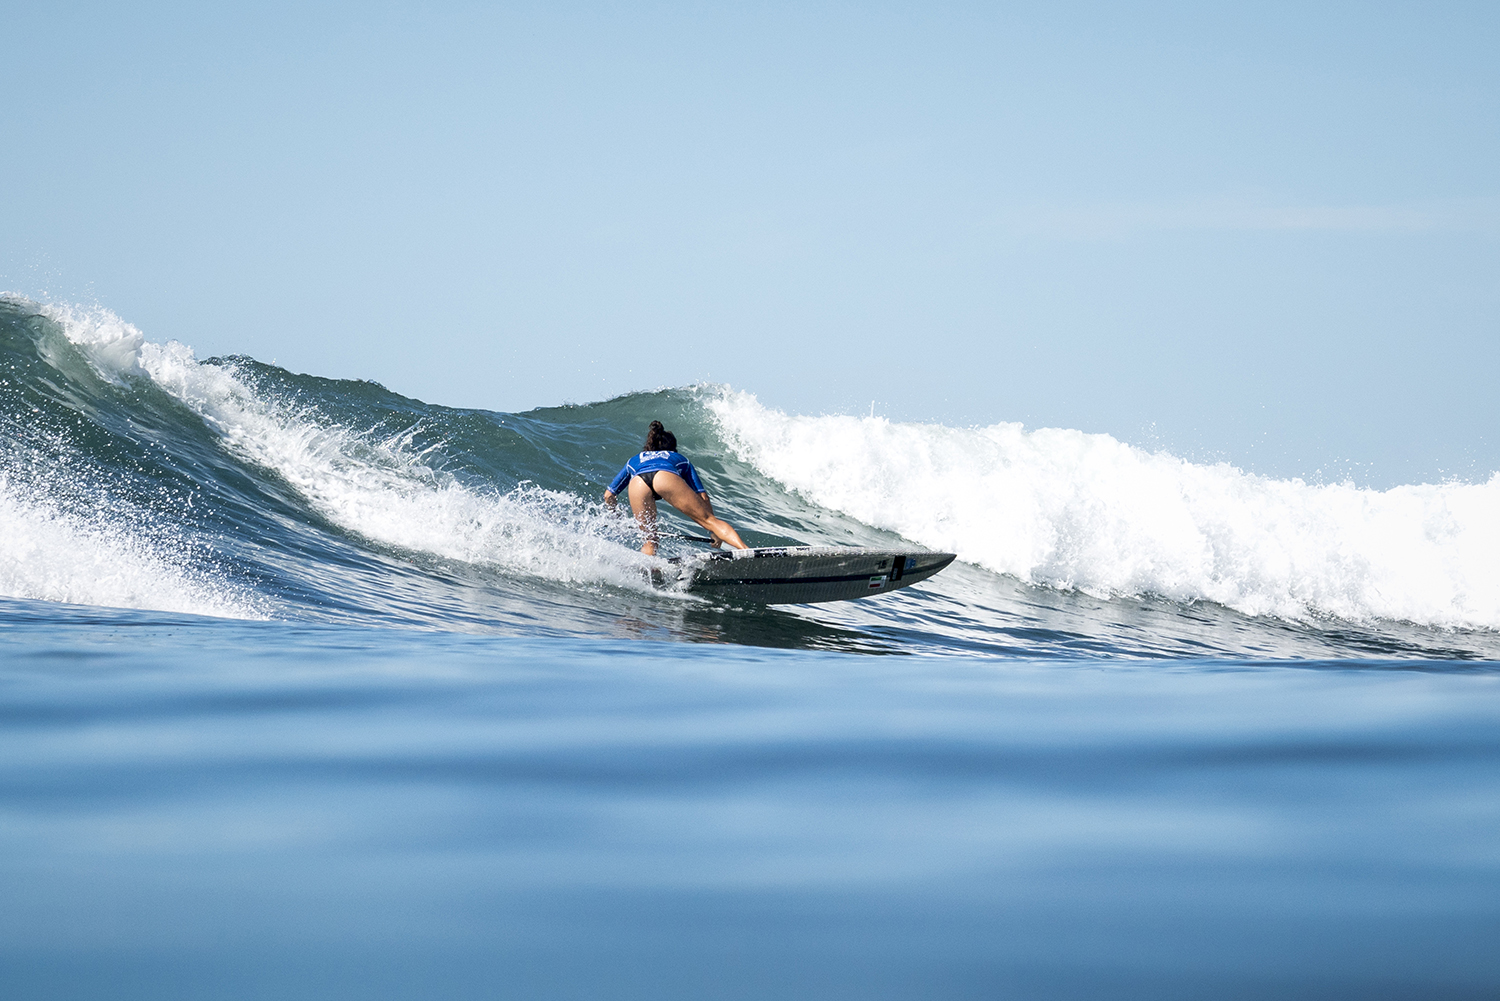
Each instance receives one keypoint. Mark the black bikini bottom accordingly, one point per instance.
(650, 477)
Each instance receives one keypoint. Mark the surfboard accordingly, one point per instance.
(794, 575)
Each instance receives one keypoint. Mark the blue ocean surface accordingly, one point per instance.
(309, 690)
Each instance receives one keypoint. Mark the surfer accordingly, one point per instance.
(660, 472)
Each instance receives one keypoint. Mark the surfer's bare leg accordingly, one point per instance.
(675, 491)
(644, 506)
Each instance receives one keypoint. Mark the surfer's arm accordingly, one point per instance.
(687, 472)
(617, 484)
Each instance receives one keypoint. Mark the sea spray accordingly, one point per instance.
(380, 489)
(60, 545)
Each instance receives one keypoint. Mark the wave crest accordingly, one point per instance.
(1073, 510)
(378, 487)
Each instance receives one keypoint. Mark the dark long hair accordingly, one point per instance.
(659, 439)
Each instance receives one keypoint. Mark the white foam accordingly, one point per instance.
(64, 537)
(110, 344)
(106, 553)
(1073, 510)
(379, 489)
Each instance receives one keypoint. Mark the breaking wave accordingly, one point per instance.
(1070, 510)
(135, 474)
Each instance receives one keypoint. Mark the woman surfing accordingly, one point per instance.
(660, 472)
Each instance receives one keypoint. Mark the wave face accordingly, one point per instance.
(133, 474)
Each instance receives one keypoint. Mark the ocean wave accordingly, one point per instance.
(134, 474)
(377, 487)
(101, 550)
(1071, 510)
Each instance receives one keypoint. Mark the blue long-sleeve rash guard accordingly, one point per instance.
(674, 462)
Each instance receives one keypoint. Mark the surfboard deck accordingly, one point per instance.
(795, 575)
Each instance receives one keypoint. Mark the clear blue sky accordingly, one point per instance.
(1268, 233)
